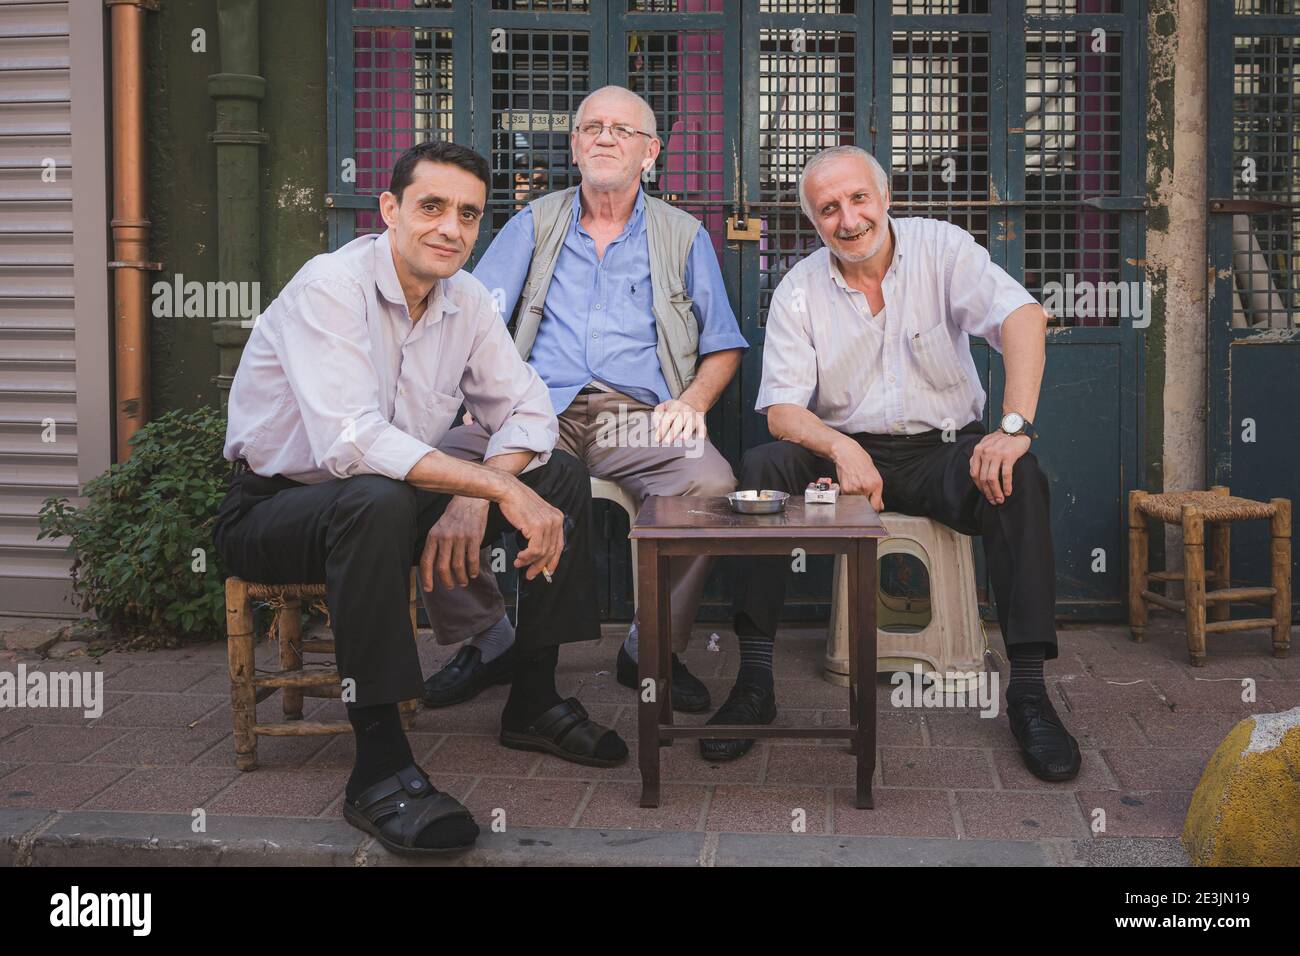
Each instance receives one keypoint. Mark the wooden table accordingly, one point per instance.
(697, 525)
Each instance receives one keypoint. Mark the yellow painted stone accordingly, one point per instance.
(1246, 809)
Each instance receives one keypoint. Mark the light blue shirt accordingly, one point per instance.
(597, 323)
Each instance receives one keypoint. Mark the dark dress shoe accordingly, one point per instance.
(465, 675)
(690, 696)
(746, 704)
(1046, 746)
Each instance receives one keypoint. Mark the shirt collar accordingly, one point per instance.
(390, 287)
(833, 267)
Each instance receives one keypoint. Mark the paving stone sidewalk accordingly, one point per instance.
(949, 784)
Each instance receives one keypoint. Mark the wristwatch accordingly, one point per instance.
(1013, 423)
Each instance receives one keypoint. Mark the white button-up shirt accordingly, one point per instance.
(337, 381)
(907, 369)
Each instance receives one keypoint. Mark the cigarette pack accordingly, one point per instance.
(821, 491)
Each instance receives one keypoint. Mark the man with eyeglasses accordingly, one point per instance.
(623, 313)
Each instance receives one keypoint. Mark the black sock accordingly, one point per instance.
(1026, 671)
(755, 661)
(532, 691)
(382, 748)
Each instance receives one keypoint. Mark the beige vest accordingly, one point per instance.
(669, 232)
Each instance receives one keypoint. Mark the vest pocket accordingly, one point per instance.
(937, 358)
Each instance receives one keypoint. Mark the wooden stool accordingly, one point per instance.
(295, 679)
(1218, 509)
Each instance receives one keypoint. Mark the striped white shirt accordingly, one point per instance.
(907, 369)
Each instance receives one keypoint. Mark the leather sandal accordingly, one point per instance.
(397, 809)
(564, 731)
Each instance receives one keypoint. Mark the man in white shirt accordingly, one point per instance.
(868, 379)
(348, 382)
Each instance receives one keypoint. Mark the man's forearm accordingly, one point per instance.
(715, 372)
(512, 463)
(1024, 353)
(444, 474)
(800, 426)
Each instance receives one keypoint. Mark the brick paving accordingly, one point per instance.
(1146, 722)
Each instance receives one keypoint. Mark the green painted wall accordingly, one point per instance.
(295, 114)
(182, 170)
(182, 187)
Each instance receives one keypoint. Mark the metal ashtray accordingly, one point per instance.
(758, 502)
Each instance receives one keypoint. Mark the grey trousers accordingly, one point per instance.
(611, 433)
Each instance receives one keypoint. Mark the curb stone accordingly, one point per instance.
(115, 838)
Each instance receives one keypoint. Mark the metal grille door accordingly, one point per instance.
(1254, 237)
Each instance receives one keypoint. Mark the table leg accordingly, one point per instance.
(648, 667)
(853, 623)
(665, 648)
(862, 600)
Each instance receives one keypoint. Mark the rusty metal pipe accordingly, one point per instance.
(130, 224)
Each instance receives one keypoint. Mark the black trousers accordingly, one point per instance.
(924, 475)
(360, 537)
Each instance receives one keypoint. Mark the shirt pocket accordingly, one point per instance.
(937, 359)
(441, 415)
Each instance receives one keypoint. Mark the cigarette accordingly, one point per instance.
(547, 574)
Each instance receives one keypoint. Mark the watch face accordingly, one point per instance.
(1012, 422)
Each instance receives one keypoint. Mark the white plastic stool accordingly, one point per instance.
(953, 640)
(609, 491)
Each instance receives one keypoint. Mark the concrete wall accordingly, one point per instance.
(1177, 257)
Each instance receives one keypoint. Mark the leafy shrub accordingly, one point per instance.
(135, 539)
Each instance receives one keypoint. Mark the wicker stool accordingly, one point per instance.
(1218, 509)
(296, 678)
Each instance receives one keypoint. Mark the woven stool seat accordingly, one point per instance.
(1169, 506)
(266, 591)
(1208, 591)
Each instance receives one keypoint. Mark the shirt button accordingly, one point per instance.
(595, 335)
(891, 378)
(599, 305)
(401, 391)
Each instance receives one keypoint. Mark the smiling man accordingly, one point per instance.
(349, 380)
(868, 378)
(623, 313)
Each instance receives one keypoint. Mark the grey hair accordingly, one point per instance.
(647, 113)
(838, 152)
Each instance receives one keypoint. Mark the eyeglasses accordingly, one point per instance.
(621, 131)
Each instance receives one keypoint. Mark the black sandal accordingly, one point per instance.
(397, 809)
(565, 731)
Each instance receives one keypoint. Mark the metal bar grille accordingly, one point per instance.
(1266, 8)
(1073, 151)
(548, 6)
(404, 95)
(537, 82)
(1068, 8)
(807, 102)
(939, 7)
(940, 112)
(402, 4)
(1265, 138)
(681, 75)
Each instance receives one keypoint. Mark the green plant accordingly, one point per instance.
(145, 562)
